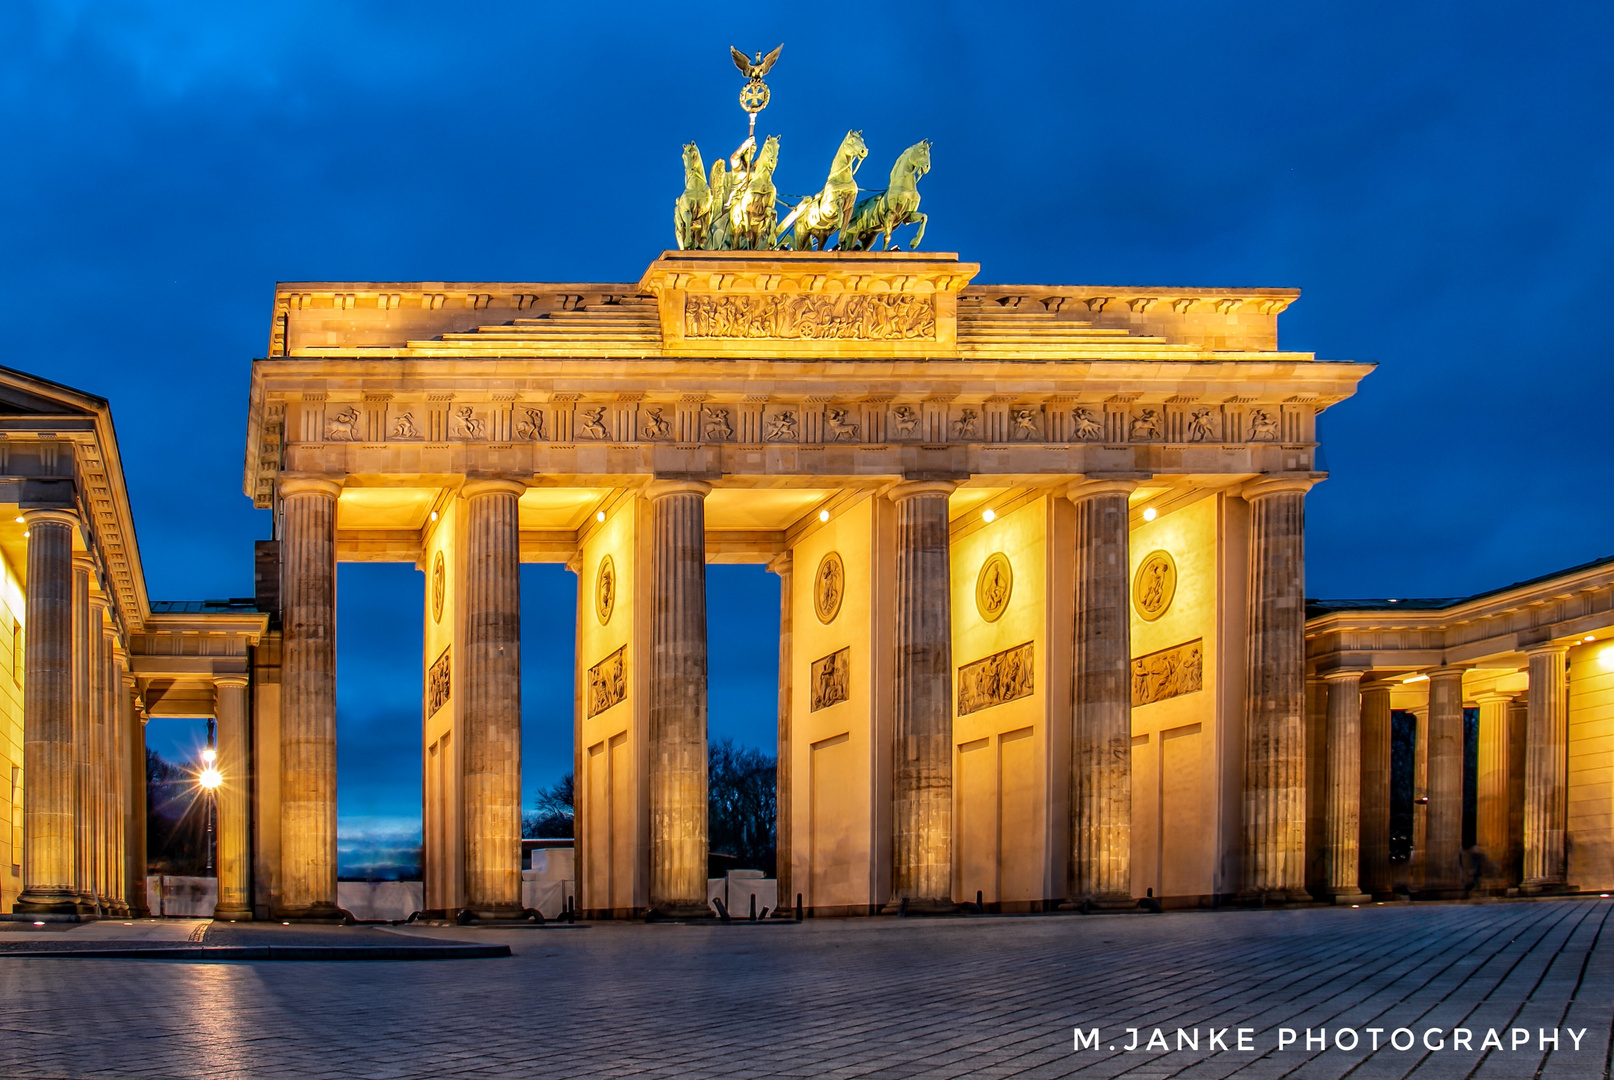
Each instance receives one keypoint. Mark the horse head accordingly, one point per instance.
(767, 159)
(693, 166)
(852, 148)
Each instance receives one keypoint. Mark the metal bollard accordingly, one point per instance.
(798, 907)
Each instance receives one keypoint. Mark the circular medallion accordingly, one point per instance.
(1154, 585)
(993, 586)
(605, 590)
(439, 587)
(829, 586)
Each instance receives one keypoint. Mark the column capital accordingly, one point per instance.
(306, 484)
(1088, 487)
(909, 488)
(83, 561)
(1344, 674)
(1275, 485)
(130, 683)
(781, 563)
(1449, 671)
(1493, 697)
(232, 679)
(43, 516)
(1547, 647)
(476, 486)
(659, 488)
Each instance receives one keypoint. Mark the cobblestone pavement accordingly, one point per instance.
(993, 997)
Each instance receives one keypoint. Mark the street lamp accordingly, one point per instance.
(210, 778)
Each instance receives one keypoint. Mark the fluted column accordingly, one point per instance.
(135, 801)
(677, 703)
(110, 776)
(1375, 870)
(1343, 810)
(1491, 790)
(85, 646)
(1101, 717)
(230, 709)
(1443, 835)
(50, 842)
(308, 699)
(922, 772)
(1420, 797)
(1546, 772)
(95, 757)
(491, 710)
(782, 565)
(1274, 725)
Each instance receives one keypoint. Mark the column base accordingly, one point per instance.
(1543, 887)
(43, 917)
(1352, 898)
(327, 914)
(232, 914)
(498, 915)
(52, 904)
(1259, 898)
(913, 905)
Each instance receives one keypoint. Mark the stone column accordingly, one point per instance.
(1546, 772)
(1375, 870)
(1343, 811)
(85, 645)
(1491, 794)
(234, 876)
(922, 760)
(308, 700)
(95, 758)
(1443, 835)
(782, 565)
(50, 881)
(1420, 797)
(1101, 717)
(1275, 685)
(111, 774)
(490, 715)
(135, 725)
(677, 703)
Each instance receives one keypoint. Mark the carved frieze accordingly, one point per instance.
(904, 420)
(404, 428)
(607, 682)
(530, 428)
(967, 425)
(344, 426)
(605, 590)
(467, 425)
(831, 679)
(1154, 585)
(1263, 426)
(993, 586)
(783, 427)
(656, 424)
(852, 316)
(1201, 426)
(829, 587)
(1001, 677)
(717, 427)
(438, 687)
(1146, 426)
(1084, 426)
(594, 422)
(1026, 425)
(842, 425)
(1168, 673)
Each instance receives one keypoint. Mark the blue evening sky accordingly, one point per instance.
(1435, 177)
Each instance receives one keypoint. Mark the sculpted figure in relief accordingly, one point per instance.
(1199, 426)
(344, 427)
(1263, 426)
(532, 428)
(594, 422)
(656, 426)
(404, 427)
(844, 430)
(964, 426)
(782, 427)
(1084, 425)
(1146, 426)
(907, 419)
(718, 428)
(1025, 424)
(466, 425)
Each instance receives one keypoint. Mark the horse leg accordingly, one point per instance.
(920, 235)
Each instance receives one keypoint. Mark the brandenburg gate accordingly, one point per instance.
(1042, 616)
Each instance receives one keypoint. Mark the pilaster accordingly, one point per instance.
(1375, 873)
(234, 872)
(1443, 835)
